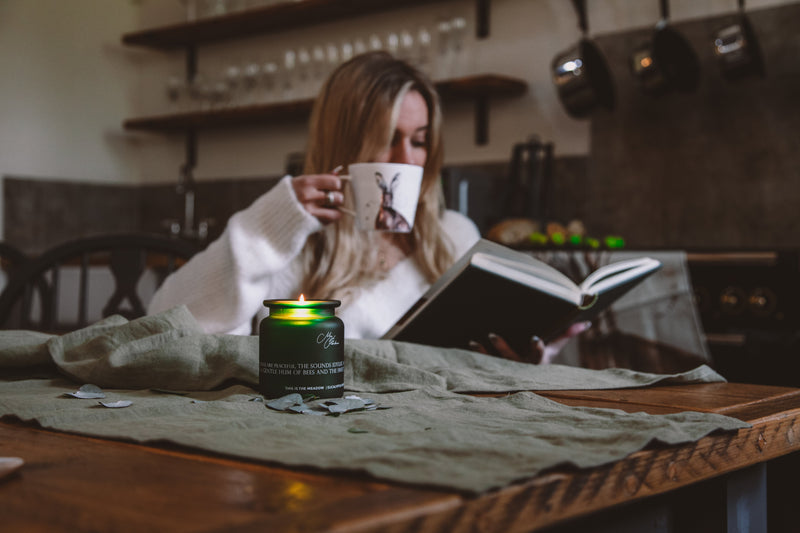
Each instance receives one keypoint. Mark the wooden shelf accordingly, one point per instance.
(482, 85)
(480, 88)
(276, 17)
(221, 118)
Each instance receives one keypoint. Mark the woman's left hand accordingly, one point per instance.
(538, 353)
(320, 194)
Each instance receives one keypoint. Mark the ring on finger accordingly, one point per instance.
(330, 198)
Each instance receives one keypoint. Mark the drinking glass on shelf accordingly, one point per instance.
(332, 56)
(406, 51)
(444, 32)
(218, 93)
(319, 66)
(199, 92)
(288, 73)
(458, 44)
(269, 81)
(303, 72)
(392, 43)
(251, 75)
(233, 79)
(191, 9)
(423, 50)
(216, 8)
(346, 51)
(375, 42)
(175, 88)
(359, 46)
(235, 5)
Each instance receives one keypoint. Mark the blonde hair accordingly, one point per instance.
(353, 120)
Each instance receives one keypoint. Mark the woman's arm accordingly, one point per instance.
(256, 257)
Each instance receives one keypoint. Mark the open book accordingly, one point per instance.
(493, 289)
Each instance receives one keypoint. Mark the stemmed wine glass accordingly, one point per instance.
(269, 80)
(458, 44)
(175, 87)
(303, 72)
(424, 43)
(233, 79)
(444, 31)
(406, 51)
(288, 73)
(332, 56)
(251, 75)
(318, 66)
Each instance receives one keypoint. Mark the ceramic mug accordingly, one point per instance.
(385, 195)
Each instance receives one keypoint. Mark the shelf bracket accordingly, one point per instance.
(482, 10)
(186, 183)
(481, 119)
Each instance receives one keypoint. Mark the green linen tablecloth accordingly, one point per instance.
(434, 434)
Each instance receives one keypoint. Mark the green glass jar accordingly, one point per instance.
(301, 349)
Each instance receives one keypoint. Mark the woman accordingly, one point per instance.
(294, 240)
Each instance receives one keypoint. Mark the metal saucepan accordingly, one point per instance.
(737, 49)
(667, 62)
(581, 74)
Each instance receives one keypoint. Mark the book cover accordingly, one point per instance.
(493, 289)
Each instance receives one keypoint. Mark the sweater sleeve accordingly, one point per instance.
(256, 257)
(462, 231)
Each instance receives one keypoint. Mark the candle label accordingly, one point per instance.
(324, 379)
(327, 339)
(301, 369)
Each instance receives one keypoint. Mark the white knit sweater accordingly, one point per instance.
(258, 257)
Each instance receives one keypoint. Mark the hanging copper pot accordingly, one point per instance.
(667, 62)
(581, 75)
(737, 49)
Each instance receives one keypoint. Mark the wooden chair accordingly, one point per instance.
(12, 260)
(83, 280)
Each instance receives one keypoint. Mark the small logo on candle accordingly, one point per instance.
(327, 340)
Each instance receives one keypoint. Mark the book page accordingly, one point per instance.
(618, 273)
(546, 279)
(524, 262)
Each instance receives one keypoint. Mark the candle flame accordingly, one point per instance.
(302, 298)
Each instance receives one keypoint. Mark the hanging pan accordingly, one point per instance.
(737, 49)
(581, 74)
(667, 62)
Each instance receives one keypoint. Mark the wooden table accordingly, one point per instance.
(73, 483)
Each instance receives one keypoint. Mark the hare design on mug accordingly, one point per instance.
(388, 218)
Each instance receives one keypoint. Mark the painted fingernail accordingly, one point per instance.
(474, 346)
(337, 169)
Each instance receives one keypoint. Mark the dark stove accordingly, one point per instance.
(749, 305)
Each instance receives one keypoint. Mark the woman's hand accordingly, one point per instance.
(320, 194)
(538, 353)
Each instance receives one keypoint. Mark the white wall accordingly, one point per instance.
(68, 83)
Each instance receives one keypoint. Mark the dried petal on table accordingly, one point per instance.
(116, 405)
(87, 392)
(9, 465)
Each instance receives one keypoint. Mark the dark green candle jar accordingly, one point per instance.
(301, 349)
